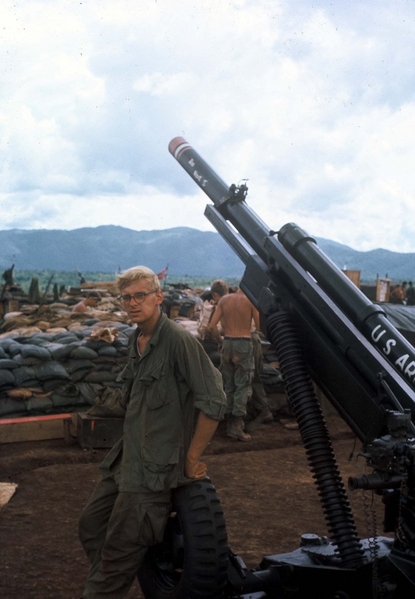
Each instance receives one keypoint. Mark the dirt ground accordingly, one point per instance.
(265, 487)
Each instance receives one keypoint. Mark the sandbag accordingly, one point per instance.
(52, 384)
(108, 350)
(10, 406)
(22, 374)
(99, 377)
(60, 401)
(19, 393)
(51, 370)
(67, 388)
(65, 338)
(34, 351)
(58, 306)
(74, 365)
(42, 337)
(25, 335)
(97, 344)
(8, 364)
(56, 330)
(20, 361)
(61, 352)
(30, 383)
(6, 342)
(123, 350)
(16, 323)
(7, 378)
(14, 349)
(86, 331)
(39, 404)
(83, 353)
(122, 341)
(88, 355)
(79, 375)
(109, 360)
(98, 366)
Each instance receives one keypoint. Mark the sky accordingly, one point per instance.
(312, 101)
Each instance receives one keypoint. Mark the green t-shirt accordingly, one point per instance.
(162, 388)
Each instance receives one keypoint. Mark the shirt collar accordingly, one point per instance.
(153, 339)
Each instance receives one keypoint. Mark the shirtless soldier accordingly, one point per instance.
(235, 313)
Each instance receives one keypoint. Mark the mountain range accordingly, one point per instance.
(184, 250)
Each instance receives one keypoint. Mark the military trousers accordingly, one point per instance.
(259, 400)
(116, 529)
(237, 368)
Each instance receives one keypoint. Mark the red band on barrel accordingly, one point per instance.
(177, 146)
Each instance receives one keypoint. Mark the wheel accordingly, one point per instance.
(192, 560)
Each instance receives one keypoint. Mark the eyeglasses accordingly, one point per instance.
(137, 297)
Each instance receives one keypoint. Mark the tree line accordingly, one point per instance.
(48, 278)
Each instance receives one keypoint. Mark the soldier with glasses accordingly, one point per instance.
(167, 376)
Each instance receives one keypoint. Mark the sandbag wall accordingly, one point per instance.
(50, 373)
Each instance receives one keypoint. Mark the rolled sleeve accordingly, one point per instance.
(212, 407)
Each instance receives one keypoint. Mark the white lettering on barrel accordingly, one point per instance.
(402, 361)
(377, 337)
(389, 344)
(410, 369)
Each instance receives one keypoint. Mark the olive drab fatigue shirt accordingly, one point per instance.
(173, 376)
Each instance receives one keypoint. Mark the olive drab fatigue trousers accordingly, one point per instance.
(237, 368)
(116, 529)
(259, 399)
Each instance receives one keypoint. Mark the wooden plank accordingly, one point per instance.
(32, 428)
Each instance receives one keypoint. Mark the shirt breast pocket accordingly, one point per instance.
(155, 385)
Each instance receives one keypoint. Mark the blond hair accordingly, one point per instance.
(138, 273)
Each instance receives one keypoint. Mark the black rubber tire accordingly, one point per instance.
(192, 561)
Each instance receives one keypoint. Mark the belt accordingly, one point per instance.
(238, 338)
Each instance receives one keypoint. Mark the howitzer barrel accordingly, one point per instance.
(198, 169)
(249, 225)
(368, 318)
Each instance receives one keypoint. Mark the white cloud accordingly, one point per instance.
(312, 102)
(135, 210)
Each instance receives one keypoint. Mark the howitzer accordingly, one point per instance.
(324, 330)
